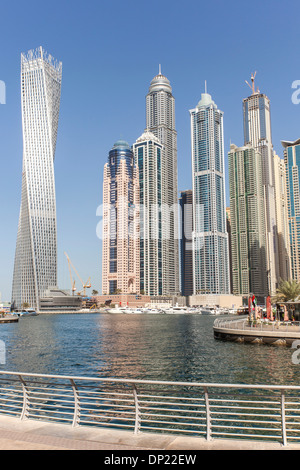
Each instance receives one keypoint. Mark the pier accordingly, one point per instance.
(7, 318)
(260, 331)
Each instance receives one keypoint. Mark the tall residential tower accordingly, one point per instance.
(148, 158)
(257, 133)
(35, 268)
(292, 172)
(160, 120)
(247, 217)
(186, 242)
(210, 238)
(121, 243)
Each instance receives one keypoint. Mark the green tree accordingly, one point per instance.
(287, 291)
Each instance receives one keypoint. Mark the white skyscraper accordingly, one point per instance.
(148, 155)
(160, 120)
(35, 266)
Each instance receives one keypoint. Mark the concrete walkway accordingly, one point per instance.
(39, 435)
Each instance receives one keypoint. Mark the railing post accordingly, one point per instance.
(283, 422)
(76, 415)
(208, 420)
(25, 398)
(137, 410)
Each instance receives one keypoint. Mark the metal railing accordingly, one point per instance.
(258, 325)
(260, 412)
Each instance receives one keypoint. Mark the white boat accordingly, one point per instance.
(210, 311)
(177, 309)
(30, 312)
(137, 311)
(194, 310)
(153, 310)
(117, 309)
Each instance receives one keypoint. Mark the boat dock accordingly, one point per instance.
(262, 331)
(8, 318)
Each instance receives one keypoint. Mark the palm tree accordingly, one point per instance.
(287, 291)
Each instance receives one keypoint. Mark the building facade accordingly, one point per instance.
(35, 267)
(228, 227)
(282, 224)
(160, 120)
(210, 238)
(148, 158)
(292, 167)
(121, 243)
(186, 242)
(248, 225)
(257, 133)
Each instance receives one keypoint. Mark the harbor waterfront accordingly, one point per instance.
(146, 347)
(144, 374)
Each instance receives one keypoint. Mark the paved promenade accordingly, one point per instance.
(38, 435)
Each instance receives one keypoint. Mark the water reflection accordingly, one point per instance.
(157, 347)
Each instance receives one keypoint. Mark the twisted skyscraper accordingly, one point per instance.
(35, 266)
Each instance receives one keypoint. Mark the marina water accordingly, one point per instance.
(156, 347)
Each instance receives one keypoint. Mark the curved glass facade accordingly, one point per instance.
(35, 267)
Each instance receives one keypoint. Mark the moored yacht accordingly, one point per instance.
(177, 309)
(208, 310)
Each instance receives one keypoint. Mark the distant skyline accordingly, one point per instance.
(110, 53)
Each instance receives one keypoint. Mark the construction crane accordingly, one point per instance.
(73, 287)
(85, 286)
(252, 86)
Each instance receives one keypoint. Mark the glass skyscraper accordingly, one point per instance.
(35, 268)
(257, 133)
(292, 166)
(160, 120)
(247, 218)
(210, 238)
(186, 242)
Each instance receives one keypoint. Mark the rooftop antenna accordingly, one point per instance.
(159, 69)
(205, 87)
(252, 86)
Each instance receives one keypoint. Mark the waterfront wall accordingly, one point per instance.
(132, 300)
(226, 301)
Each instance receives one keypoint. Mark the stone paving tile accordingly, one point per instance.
(27, 441)
(38, 435)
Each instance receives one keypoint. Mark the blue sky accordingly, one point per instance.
(110, 51)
